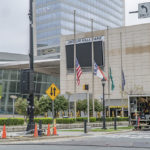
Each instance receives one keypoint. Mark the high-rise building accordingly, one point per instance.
(56, 17)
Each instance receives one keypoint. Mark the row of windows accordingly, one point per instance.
(40, 2)
(49, 16)
(52, 42)
(96, 6)
(49, 33)
(47, 9)
(47, 25)
(103, 18)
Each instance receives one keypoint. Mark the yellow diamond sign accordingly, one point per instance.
(53, 91)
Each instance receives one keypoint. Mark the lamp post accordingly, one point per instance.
(31, 124)
(13, 98)
(103, 84)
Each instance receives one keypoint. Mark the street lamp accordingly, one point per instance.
(103, 84)
(13, 98)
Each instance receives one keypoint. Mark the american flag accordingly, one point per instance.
(78, 71)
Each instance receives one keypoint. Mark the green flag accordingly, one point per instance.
(112, 82)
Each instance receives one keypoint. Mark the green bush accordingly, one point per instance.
(65, 120)
(11, 121)
(44, 120)
(92, 119)
(112, 119)
(81, 119)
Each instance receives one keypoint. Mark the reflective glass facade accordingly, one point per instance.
(55, 18)
(10, 85)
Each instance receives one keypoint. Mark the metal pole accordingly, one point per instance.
(53, 112)
(13, 107)
(88, 106)
(121, 72)
(104, 125)
(69, 109)
(115, 120)
(108, 66)
(92, 67)
(30, 125)
(74, 64)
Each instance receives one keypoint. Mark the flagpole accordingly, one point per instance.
(108, 66)
(121, 72)
(75, 64)
(92, 67)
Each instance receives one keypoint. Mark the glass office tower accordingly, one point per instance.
(10, 85)
(55, 18)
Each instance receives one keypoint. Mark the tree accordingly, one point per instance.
(79, 105)
(45, 104)
(60, 104)
(36, 106)
(82, 106)
(98, 105)
(21, 106)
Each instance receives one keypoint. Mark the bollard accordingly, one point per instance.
(40, 128)
(85, 126)
(115, 121)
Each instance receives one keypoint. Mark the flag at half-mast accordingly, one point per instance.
(78, 71)
(112, 82)
(98, 71)
(123, 80)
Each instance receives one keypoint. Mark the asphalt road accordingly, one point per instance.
(135, 140)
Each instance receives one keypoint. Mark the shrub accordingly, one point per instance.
(65, 120)
(81, 119)
(92, 119)
(112, 119)
(44, 120)
(11, 121)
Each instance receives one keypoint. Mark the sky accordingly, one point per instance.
(14, 23)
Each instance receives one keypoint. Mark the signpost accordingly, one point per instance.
(53, 92)
(144, 10)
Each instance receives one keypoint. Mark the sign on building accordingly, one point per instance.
(144, 10)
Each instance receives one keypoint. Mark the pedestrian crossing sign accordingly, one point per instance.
(53, 91)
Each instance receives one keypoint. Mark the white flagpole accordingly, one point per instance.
(75, 64)
(108, 66)
(121, 73)
(92, 68)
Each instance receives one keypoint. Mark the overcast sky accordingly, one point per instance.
(14, 23)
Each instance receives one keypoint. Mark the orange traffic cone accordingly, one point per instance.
(48, 130)
(4, 132)
(54, 131)
(35, 131)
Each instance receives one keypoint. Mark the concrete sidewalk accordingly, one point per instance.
(21, 137)
(64, 126)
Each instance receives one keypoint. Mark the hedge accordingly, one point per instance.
(65, 120)
(81, 119)
(44, 120)
(11, 121)
(58, 120)
(112, 119)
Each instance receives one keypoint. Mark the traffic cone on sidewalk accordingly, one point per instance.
(54, 130)
(48, 130)
(35, 131)
(4, 132)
